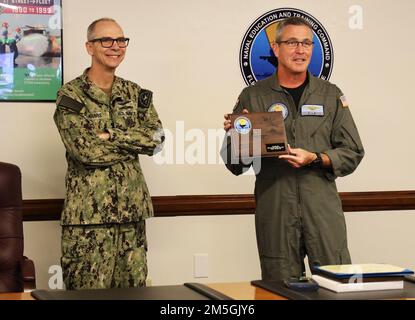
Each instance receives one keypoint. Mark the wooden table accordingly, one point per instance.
(244, 291)
(16, 296)
(234, 290)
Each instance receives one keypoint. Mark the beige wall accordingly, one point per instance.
(186, 52)
(229, 241)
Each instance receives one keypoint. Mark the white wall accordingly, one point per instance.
(186, 52)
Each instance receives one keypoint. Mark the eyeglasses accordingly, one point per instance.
(307, 44)
(107, 42)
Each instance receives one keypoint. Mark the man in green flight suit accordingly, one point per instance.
(298, 209)
(105, 123)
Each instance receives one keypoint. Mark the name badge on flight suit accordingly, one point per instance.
(312, 110)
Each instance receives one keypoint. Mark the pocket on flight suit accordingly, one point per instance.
(319, 132)
(327, 252)
(346, 131)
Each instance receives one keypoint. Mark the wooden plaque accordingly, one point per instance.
(258, 134)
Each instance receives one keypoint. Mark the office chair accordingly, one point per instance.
(17, 272)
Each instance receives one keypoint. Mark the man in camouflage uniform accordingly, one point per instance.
(298, 209)
(105, 122)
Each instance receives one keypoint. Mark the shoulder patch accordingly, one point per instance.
(144, 98)
(69, 103)
(343, 99)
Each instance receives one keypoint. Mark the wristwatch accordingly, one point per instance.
(318, 162)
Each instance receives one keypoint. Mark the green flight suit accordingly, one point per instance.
(105, 186)
(298, 211)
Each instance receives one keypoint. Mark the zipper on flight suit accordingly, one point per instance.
(293, 107)
(294, 119)
(293, 131)
(303, 97)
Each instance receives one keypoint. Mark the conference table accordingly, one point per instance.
(234, 290)
(214, 291)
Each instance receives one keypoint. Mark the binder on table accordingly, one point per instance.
(338, 286)
(348, 271)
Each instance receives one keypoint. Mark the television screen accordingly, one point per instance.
(30, 50)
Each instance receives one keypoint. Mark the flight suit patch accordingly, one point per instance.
(312, 110)
(279, 107)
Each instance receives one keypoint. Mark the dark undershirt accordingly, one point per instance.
(296, 93)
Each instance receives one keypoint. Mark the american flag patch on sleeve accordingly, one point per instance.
(343, 99)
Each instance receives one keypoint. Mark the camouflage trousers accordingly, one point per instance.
(104, 256)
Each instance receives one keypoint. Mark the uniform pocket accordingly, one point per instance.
(73, 244)
(125, 116)
(318, 124)
(348, 130)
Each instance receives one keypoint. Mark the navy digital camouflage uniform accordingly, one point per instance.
(298, 211)
(107, 199)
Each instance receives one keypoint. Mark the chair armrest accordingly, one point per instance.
(29, 274)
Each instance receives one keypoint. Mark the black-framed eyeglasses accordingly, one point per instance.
(295, 43)
(107, 42)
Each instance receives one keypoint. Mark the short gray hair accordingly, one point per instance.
(91, 27)
(294, 21)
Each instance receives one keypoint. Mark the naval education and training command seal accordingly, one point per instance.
(256, 58)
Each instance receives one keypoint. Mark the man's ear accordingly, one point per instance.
(89, 48)
(275, 48)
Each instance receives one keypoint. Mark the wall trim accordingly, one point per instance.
(230, 204)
